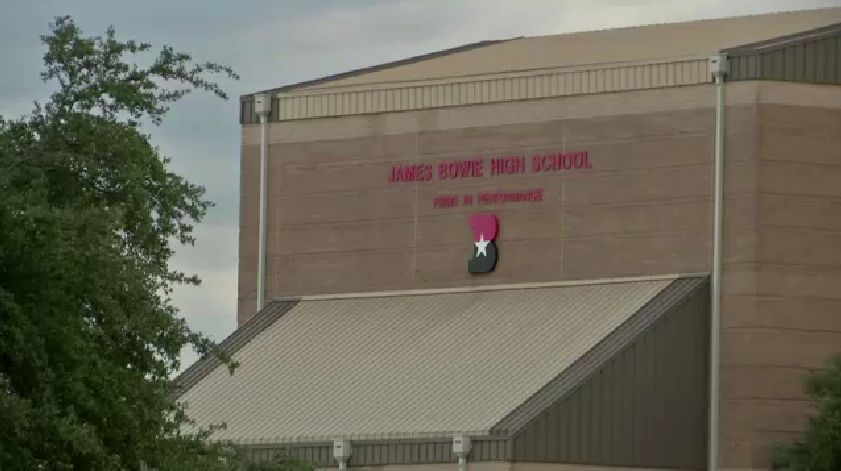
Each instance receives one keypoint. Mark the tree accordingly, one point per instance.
(89, 216)
(820, 447)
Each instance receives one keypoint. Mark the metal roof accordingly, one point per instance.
(410, 366)
(653, 42)
(799, 46)
(387, 65)
(809, 57)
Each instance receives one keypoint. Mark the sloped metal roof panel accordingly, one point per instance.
(654, 42)
(810, 57)
(611, 60)
(418, 365)
(198, 370)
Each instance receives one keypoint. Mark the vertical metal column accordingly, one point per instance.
(718, 67)
(262, 105)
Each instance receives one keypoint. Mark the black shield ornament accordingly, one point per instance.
(483, 262)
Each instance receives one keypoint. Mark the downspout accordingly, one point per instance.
(461, 448)
(262, 106)
(341, 452)
(718, 68)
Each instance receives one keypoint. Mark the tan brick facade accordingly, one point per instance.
(337, 225)
(782, 304)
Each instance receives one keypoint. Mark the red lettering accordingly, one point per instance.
(453, 169)
(567, 164)
(410, 173)
(579, 160)
(508, 165)
(499, 166)
(463, 168)
(526, 196)
(555, 162)
(425, 173)
(475, 167)
(478, 167)
(441, 202)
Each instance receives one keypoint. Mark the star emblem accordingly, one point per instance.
(481, 246)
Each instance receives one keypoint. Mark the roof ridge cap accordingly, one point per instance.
(485, 288)
(683, 22)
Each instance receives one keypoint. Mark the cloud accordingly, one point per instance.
(211, 307)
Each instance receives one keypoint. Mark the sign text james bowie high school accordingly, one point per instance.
(448, 170)
(476, 167)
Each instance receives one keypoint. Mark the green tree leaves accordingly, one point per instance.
(89, 213)
(93, 78)
(820, 447)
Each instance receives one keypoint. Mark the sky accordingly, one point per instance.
(276, 42)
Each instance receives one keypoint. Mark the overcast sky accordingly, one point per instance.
(271, 43)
